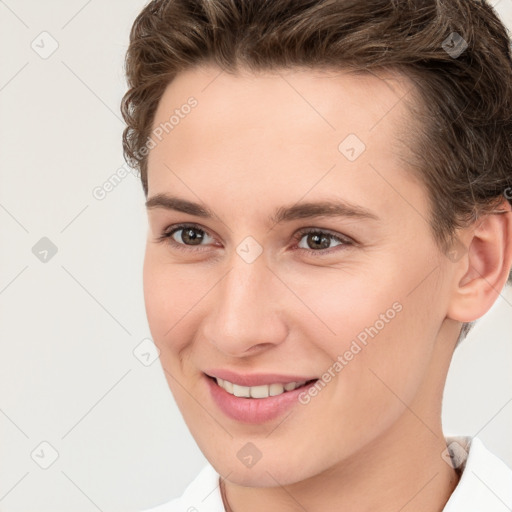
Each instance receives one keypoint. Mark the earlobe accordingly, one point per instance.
(484, 268)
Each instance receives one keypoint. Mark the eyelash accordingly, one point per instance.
(166, 236)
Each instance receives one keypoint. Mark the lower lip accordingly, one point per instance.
(254, 410)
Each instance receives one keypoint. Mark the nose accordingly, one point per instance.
(247, 315)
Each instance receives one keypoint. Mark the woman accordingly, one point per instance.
(329, 197)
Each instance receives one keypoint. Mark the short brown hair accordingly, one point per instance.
(462, 145)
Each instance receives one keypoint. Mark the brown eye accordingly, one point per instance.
(185, 236)
(318, 242)
(189, 236)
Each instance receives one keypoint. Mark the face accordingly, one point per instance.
(305, 256)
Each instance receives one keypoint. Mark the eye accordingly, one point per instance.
(183, 235)
(317, 241)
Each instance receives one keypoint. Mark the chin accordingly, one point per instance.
(262, 474)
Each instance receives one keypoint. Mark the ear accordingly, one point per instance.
(483, 270)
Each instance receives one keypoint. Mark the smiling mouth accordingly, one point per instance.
(261, 391)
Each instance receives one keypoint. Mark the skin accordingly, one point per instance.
(372, 439)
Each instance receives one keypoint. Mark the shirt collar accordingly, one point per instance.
(486, 481)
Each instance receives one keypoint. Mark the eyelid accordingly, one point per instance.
(170, 230)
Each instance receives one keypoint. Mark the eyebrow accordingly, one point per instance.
(326, 208)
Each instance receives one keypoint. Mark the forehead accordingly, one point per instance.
(322, 92)
(250, 131)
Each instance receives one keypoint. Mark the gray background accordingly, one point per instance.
(69, 325)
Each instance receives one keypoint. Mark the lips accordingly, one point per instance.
(257, 379)
(249, 409)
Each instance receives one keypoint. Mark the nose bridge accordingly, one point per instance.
(244, 312)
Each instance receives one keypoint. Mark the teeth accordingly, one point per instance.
(242, 391)
(228, 386)
(263, 391)
(275, 389)
(259, 391)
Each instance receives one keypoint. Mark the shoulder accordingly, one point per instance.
(202, 494)
(485, 482)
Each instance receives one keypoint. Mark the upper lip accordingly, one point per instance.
(256, 379)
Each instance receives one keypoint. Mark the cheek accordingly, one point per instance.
(340, 305)
(378, 332)
(156, 299)
(173, 294)
(166, 296)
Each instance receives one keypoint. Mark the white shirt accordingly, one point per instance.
(484, 486)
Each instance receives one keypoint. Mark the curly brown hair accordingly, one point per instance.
(457, 53)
